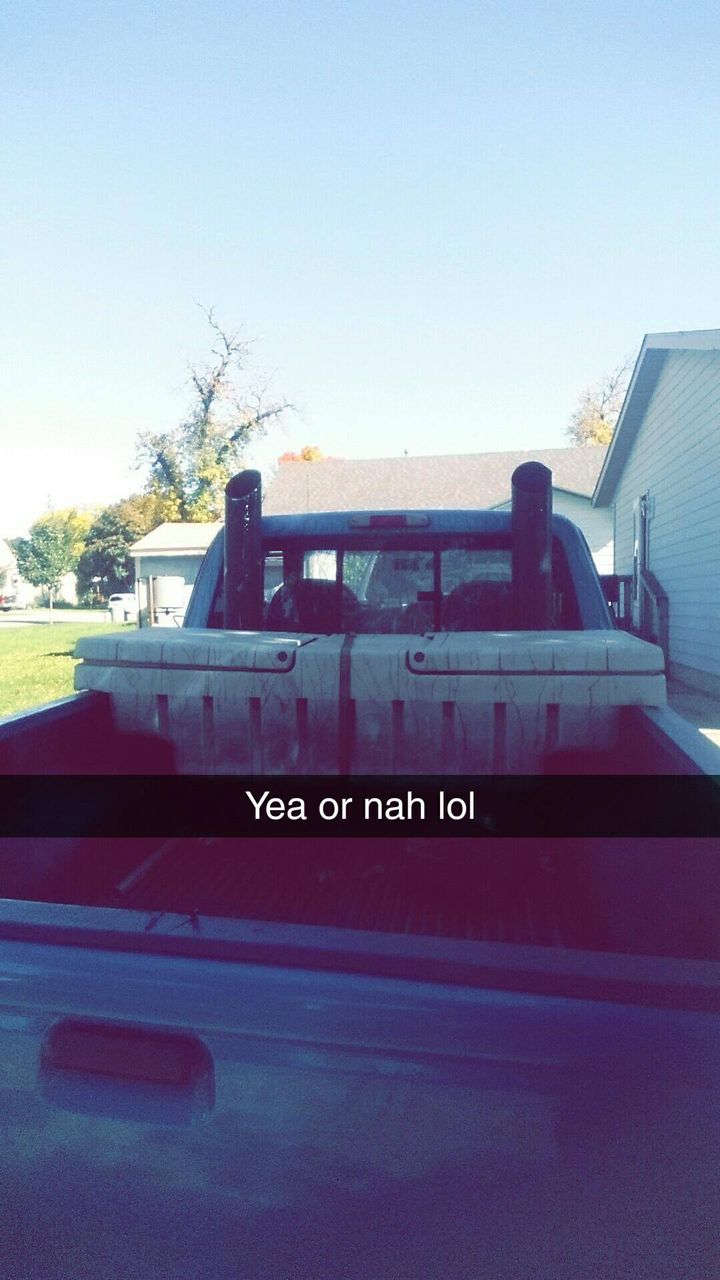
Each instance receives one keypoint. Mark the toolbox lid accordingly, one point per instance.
(535, 653)
(192, 648)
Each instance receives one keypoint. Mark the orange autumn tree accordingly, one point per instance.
(308, 453)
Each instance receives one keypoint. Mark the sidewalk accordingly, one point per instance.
(699, 708)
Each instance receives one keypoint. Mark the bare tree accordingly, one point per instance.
(190, 466)
(593, 422)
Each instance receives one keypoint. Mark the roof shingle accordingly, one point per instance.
(460, 480)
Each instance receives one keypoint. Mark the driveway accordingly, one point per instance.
(41, 617)
(700, 709)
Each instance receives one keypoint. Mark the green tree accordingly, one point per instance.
(190, 465)
(594, 419)
(46, 556)
(72, 523)
(106, 565)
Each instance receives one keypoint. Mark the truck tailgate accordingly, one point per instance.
(175, 1116)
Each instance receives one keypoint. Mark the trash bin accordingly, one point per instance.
(117, 611)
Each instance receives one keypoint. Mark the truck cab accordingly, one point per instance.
(401, 573)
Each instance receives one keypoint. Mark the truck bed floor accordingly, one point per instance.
(451, 889)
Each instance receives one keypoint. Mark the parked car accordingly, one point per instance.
(125, 600)
(8, 602)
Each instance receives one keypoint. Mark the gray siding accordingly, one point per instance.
(676, 459)
(177, 566)
(595, 522)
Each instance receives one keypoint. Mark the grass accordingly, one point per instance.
(37, 664)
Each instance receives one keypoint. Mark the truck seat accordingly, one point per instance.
(479, 606)
(310, 604)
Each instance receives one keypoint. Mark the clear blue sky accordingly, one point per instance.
(441, 220)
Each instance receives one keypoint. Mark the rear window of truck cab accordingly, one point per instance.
(403, 587)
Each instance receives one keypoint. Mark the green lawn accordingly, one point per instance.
(36, 662)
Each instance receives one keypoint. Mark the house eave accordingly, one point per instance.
(652, 356)
(167, 552)
(642, 384)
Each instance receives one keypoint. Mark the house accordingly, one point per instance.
(8, 570)
(661, 479)
(460, 480)
(10, 582)
(167, 562)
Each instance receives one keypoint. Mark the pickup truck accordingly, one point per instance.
(231, 1056)
(446, 642)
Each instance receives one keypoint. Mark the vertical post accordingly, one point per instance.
(532, 546)
(243, 552)
(664, 628)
